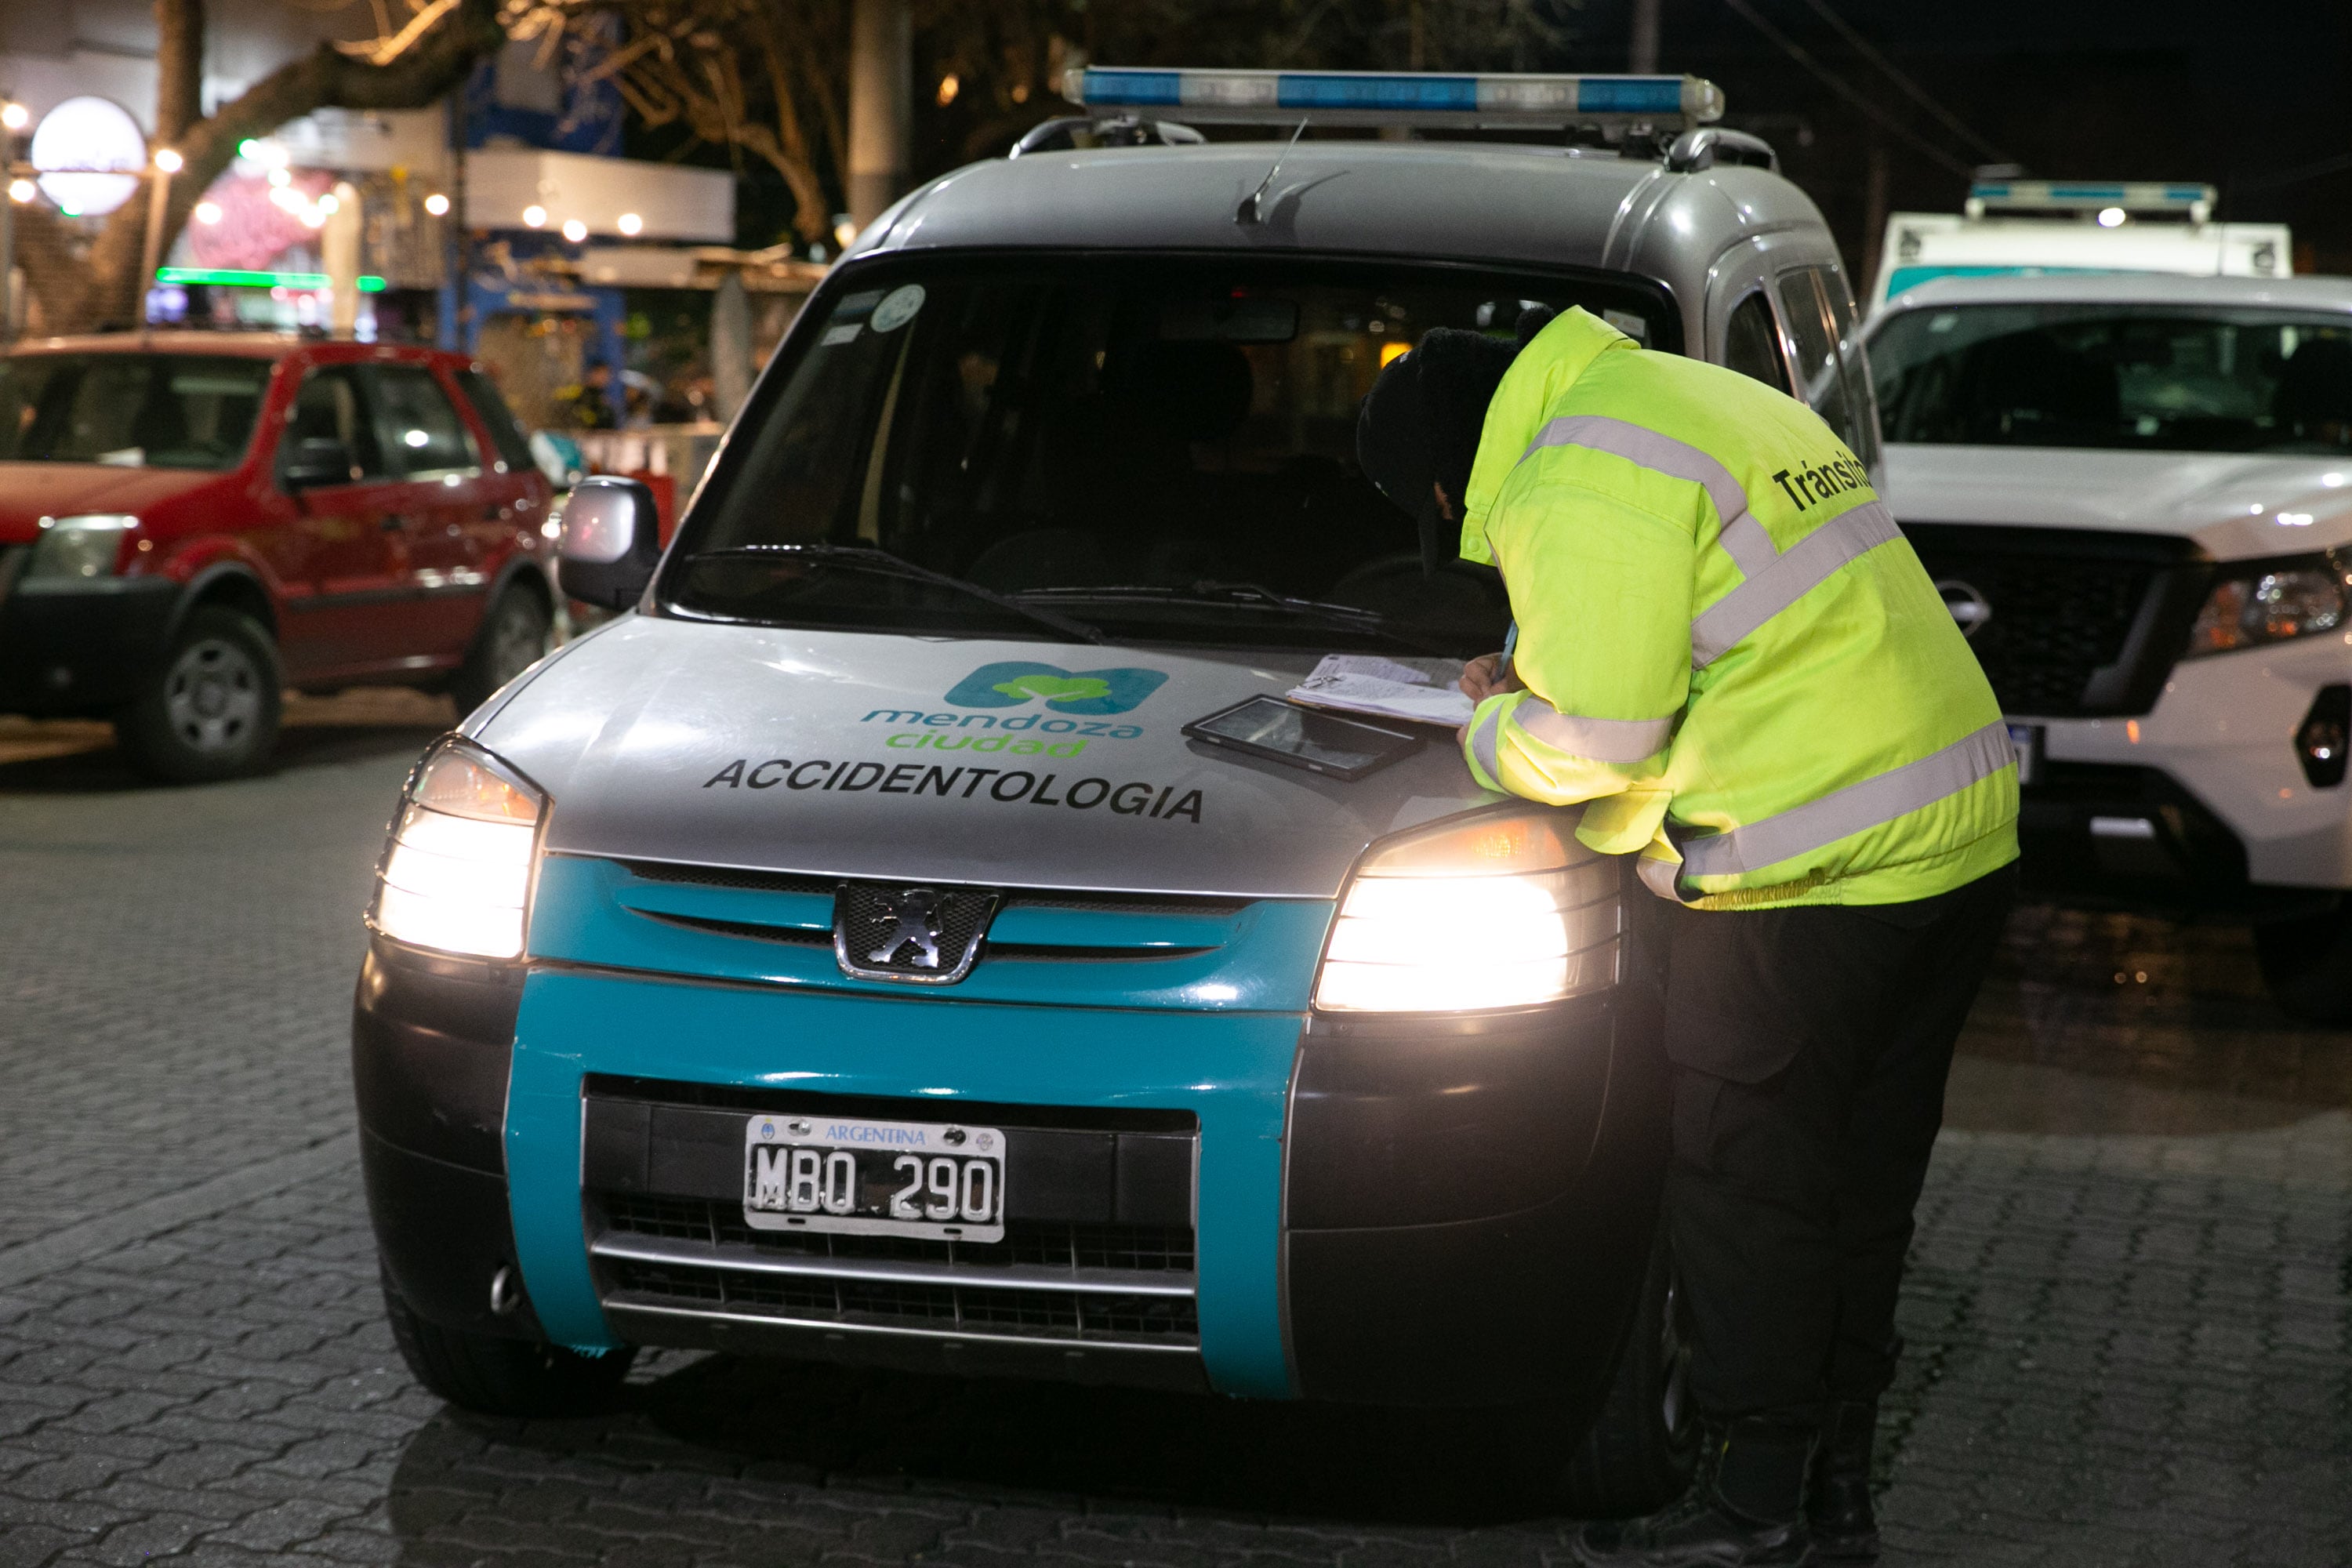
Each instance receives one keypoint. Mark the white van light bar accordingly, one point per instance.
(1394, 98)
(2151, 197)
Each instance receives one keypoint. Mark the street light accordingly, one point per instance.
(631, 224)
(22, 191)
(206, 212)
(574, 230)
(437, 205)
(15, 117)
(167, 160)
(534, 217)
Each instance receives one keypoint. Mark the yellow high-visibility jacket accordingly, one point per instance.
(1729, 649)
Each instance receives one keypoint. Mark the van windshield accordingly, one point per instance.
(1154, 448)
(131, 410)
(2151, 378)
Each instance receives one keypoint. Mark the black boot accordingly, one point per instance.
(1745, 1511)
(1837, 1494)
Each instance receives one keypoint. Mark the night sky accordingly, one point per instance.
(2254, 97)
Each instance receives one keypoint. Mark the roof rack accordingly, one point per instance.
(1495, 101)
(2155, 197)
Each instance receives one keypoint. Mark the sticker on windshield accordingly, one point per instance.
(897, 308)
(835, 336)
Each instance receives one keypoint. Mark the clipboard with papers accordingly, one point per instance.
(1418, 690)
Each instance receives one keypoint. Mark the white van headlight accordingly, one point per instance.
(457, 875)
(1504, 909)
(2273, 601)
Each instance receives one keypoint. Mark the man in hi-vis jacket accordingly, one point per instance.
(1727, 650)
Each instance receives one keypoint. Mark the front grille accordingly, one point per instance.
(730, 877)
(1044, 1314)
(1128, 904)
(2083, 624)
(802, 936)
(1049, 1244)
(698, 1256)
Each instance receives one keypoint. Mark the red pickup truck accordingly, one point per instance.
(191, 522)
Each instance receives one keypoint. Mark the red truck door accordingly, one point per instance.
(347, 577)
(443, 493)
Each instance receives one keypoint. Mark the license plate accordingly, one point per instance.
(2026, 741)
(874, 1178)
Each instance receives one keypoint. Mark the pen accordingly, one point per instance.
(1511, 643)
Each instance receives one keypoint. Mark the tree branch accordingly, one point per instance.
(436, 61)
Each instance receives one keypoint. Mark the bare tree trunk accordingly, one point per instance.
(1642, 59)
(1873, 218)
(881, 89)
(107, 286)
(180, 67)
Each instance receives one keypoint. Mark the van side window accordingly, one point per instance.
(332, 407)
(1856, 363)
(1821, 375)
(1752, 346)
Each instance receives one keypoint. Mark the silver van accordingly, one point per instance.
(854, 951)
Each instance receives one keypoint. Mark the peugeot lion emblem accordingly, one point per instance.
(928, 936)
(1970, 609)
(914, 914)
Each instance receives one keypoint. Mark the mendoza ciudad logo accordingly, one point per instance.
(1057, 711)
(1017, 682)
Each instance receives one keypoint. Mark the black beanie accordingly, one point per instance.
(1421, 422)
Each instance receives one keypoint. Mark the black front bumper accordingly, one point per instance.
(80, 645)
(1518, 1165)
(431, 1039)
(2109, 836)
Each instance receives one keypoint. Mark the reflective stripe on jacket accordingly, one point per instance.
(1729, 648)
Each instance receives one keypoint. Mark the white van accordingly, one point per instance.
(877, 836)
(2135, 494)
(2041, 226)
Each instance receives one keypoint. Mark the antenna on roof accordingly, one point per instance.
(1248, 212)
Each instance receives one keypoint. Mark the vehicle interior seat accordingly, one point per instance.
(2030, 387)
(1117, 472)
(2313, 401)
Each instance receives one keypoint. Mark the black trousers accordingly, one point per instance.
(1809, 1048)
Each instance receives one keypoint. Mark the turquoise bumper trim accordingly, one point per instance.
(1168, 1033)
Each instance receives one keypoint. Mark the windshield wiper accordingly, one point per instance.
(865, 558)
(1340, 617)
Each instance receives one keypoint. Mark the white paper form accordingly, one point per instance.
(1423, 691)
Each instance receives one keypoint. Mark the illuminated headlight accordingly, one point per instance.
(457, 875)
(84, 546)
(1504, 909)
(2271, 603)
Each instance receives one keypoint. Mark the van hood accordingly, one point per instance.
(31, 492)
(902, 757)
(2234, 506)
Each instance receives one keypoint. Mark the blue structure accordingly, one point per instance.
(511, 100)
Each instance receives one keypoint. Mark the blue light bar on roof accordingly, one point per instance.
(1395, 98)
(2072, 195)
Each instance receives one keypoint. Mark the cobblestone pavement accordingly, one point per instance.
(2130, 1312)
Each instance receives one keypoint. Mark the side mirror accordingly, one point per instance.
(611, 541)
(319, 460)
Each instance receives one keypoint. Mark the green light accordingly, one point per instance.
(248, 148)
(232, 277)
